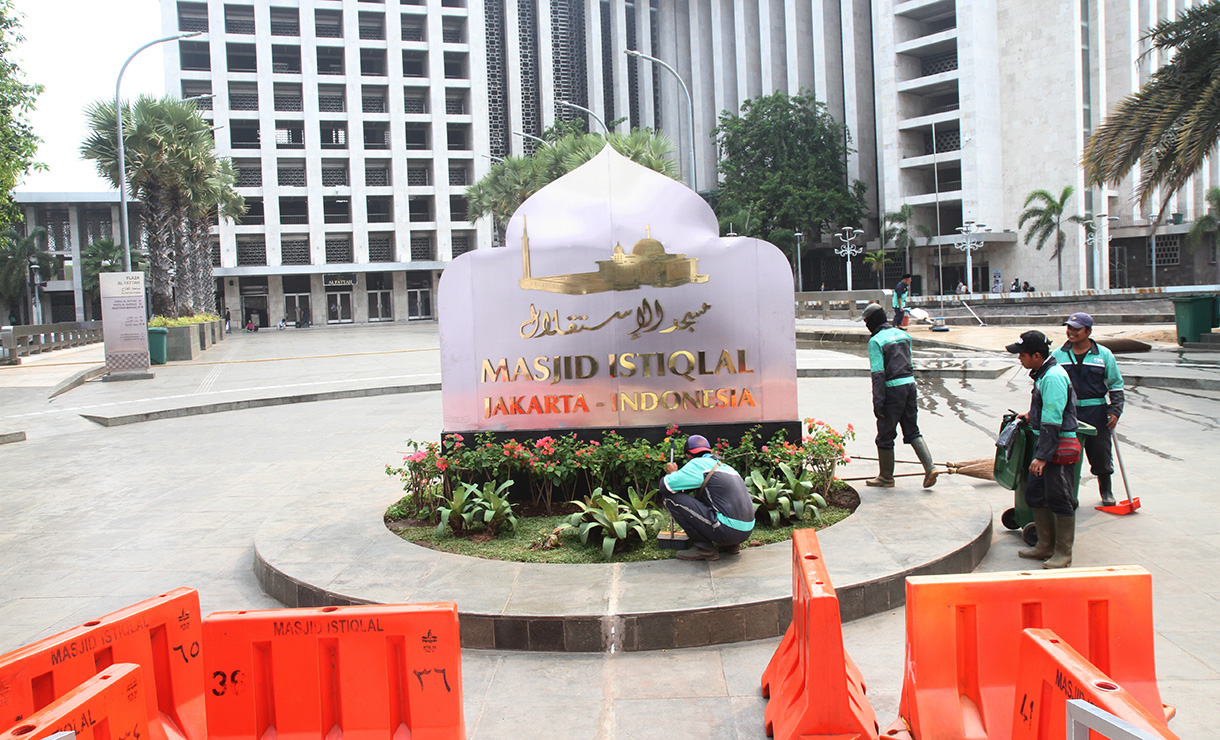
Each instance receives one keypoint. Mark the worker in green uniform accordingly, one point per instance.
(901, 290)
(1052, 417)
(894, 397)
(1094, 375)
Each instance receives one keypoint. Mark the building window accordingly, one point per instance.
(459, 137)
(423, 248)
(338, 249)
(417, 136)
(200, 90)
(251, 251)
(332, 98)
(373, 99)
(243, 134)
(381, 247)
(381, 305)
(241, 58)
(380, 209)
(334, 175)
(455, 66)
(372, 62)
(192, 17)
(254, 213)
(330, 60)
(291, 175)
(249, 173)
(414, 63)
(1213, 250)
(294, 251)
(463, 242)
(288, 97)
(1168, 250)
(337, 210)
(419, 208)
(239, 19)
(285, 22)
(376, 135)
(415, 102)
(372, 26)
(419, 172)
(459, 174)
(377, 174)
(328, 24)
(455, 104)
(457, 208)
(289, 135)
(294, 210)
(334, 134)
(194, 56)
(243, 96)
(934, 65)
(453, 31)
(413, 28)
(214, 249)
(286, 59)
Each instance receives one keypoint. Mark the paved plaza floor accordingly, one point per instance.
(96, 517)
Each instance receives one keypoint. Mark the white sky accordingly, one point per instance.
(75, 48)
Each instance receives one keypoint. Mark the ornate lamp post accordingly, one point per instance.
(968, 244)
(1101, 257)
(849, 249)
(690, 106)
(800, 280)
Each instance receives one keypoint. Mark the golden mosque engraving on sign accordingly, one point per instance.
(648, 264)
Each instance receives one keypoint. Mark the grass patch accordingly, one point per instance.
(530, 531)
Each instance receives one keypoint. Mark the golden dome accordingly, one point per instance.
(648, 248)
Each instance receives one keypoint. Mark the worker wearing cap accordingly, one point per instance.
(708, 499)
(1052, 416)
(894, 397)
(1094, 375)
(900, 297)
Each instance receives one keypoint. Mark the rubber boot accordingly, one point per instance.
(1065, 537)
(1107, 492)
(925, 458)
(1044, 522)
(885, 470)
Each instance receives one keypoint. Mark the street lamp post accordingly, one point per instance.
(35, 304)
(690, 106)
(968, 244)
(591, 114)
(849, 249)
(1094, 241)
(118, 115)
(800, 278)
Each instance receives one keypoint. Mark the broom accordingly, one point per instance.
(981, 468)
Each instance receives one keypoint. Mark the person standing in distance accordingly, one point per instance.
(894, 397)
(900, 298)
(1052, 416)
(1094, 375)
(709, 501)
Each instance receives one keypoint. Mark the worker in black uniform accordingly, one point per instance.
(1094, 375)
(708, 499)
(889, 356)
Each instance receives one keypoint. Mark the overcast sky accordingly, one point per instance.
(75, 49)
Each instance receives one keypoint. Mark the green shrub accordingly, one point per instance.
(608, 517)
(199, 318)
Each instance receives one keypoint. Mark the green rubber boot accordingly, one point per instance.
(1065, 537)
(1044, 522)
(885, 470)
(925, 458)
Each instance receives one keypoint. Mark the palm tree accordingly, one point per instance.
(1172, 124)
(898, 226)
(18, 252)
(1046, 212)
(105, 255)
(877, 262)
(214, 196)
(1208, 223)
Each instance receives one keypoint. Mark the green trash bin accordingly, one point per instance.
(1194, 315)
(1012, 475)
(157, 338)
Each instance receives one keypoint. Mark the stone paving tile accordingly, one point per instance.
(704, 718)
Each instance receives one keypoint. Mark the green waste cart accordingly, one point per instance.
(1012, 470)
(157, 338)
(1194, 315)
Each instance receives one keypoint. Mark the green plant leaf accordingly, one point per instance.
(608, 548)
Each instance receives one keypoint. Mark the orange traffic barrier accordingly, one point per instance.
(109, 706)
(963, 633)
(814, 688)
(163, 635)
(360, 672)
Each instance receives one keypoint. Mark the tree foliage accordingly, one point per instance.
(172, 168)
(1171, 125)
(18, 144)
(105, 255)
(509, 182)
(898, 227)
(1045, 213)
(876, 262)
(18, 253)
(784, 163)
(1208, 223)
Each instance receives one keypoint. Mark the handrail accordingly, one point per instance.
(22, 341)
(809, 303)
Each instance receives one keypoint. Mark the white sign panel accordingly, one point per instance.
(124, 322)
(616, 305)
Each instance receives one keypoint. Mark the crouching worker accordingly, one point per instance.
(708, 499)
(1052, 416)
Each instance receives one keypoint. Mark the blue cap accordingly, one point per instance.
(697, 443)
(1079, 320)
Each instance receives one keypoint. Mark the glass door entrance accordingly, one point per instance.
(339, 308)
(419, 304)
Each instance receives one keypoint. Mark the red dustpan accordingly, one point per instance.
(1129, 506)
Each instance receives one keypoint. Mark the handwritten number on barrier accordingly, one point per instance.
(183, 651)
(420, 675)
(224, 681)
(1027, 709)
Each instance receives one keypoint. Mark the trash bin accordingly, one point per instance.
(157, 338)
(1194, 315)
(1012, 474)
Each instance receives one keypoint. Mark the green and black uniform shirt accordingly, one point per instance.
(889, 359)
(1052, 412)
(1093, 375)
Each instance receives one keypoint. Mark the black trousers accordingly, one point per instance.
(1096, 449)
(1051, 490)
(897, 322)
(699, 521)
(900, 408)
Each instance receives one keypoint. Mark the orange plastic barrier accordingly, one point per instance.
(815, 689)
(963, 637)
(1052, 672)
(109, 706)
(360, 672)
(163, 635)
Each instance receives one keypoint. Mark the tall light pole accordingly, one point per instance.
(591, 114)
(531, 137)
(800, 280)
(968, 244)
(690, 107)
(1093, 239)
(118, 115)
(848, 236)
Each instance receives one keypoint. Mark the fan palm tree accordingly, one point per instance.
(898, 227)
(877, 262)
(1208, 223)
(214, 196)
(1171, 125)
(18, 252)
(1046, 215)
(105, 255)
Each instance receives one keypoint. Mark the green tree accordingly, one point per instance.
(18, 144)
(877, 262)
(898, 227)
(18, 252)
(1171, 125)
(509, 182)
(1209, 222)
(784, 160)
(105, 255)
(1046, 215)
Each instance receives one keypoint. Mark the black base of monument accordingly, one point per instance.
(731, 433)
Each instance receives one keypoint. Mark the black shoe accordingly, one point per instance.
(695, 552)
(730, 549)
(1107, 498)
